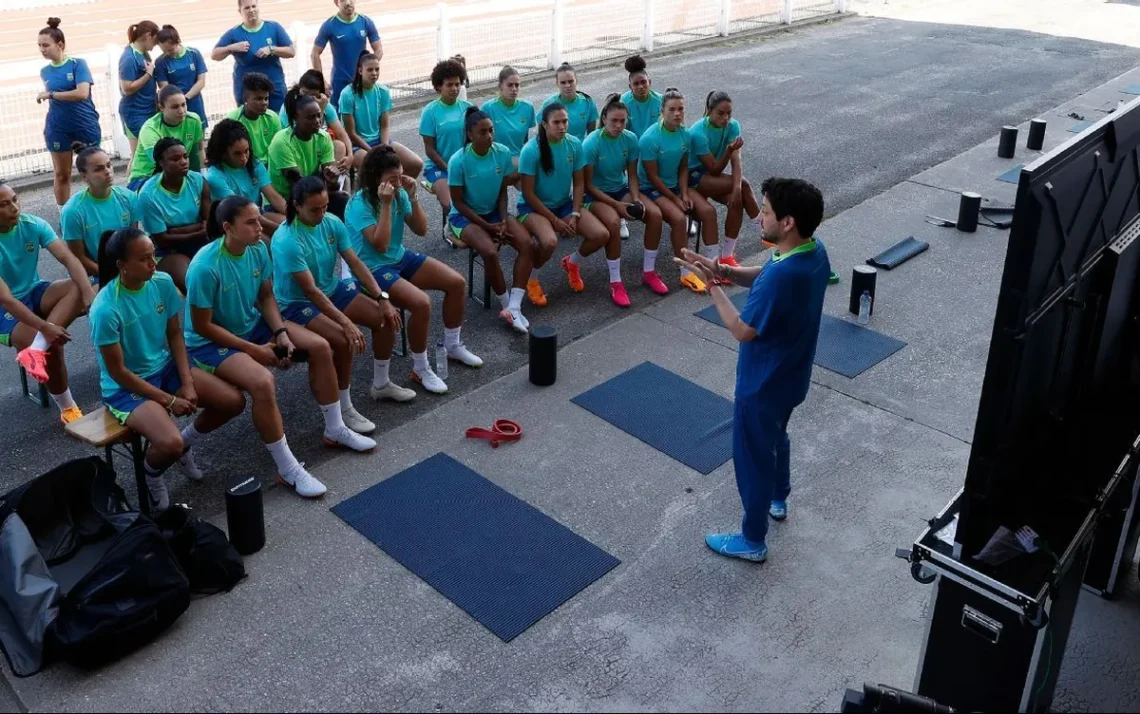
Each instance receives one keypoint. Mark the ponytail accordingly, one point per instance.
(471, 119)
(140, 30)
(290, 107)
(164, 144)
(714, 98)
(169, 34)
(308, 186)
(546, 156)
(113, 247)
(613, 102)
(358, 78)
(83, 154)
(223, 212)
(506, 73)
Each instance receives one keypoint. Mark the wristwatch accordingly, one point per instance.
(382, 296)
(576, 214)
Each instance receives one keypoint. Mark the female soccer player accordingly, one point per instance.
(305, 150)
(259, 120)
(144, 374)
(236, 333)
(35, 314)
(183, 67)
(377, 216)
(173, 121)
(664, 177)
(553, 195)
(100, 208)
(717, 143)
(256, 46)
(611, 159)
(71, 116)
(365, 107)
(175, 204)
(306, 281)
(441, 126)
(513, 117)
(644, 103)
(580, 107)
(136, 79)
(234, 171)
(312, 84)
(477, 178)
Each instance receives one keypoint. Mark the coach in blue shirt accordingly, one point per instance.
(256, 46)
(349, 34)
(777, 331)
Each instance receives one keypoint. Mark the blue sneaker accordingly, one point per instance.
(734, 545)
(778, 510)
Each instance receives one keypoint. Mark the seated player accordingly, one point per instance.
(235, 171)
(173, 121)
(441, 126)
(259, 120)
(303, 150)
(365, 106)
(144, 374)
(312, 84)
(36, 313)
(175, 204)
(97, 209)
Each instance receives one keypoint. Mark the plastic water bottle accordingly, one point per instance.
(865, 308)
(440, 360)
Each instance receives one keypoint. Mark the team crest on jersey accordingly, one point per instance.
(192, 67)
(30, 247)
(362, 33)
(498, 170)
(70, 77)
(256, 273)
(125, 217)
(330, 240)
(269, 41)
(160, 308)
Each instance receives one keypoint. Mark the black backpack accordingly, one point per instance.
(82, 577)
(211, 564)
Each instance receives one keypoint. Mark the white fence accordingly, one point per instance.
(533, 36)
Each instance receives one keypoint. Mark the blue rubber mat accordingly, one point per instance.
(1079, 127)
(504, 562)
(844, 347)
(1013, 175)
(850, 349)
(678, 418)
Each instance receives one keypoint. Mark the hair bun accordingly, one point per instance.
(53, 22)
(635, 64)
(168, 27)
(672, 89)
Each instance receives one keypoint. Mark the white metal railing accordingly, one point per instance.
(576, 31)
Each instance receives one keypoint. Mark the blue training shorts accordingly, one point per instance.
(31, 301)
(209, 357)
(434, 174)
(58, 139)
(123, 402)
(405, 268)
(563, 211)
(303, 313)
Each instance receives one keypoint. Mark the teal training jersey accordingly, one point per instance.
(642, 115)
(512, 123)
(610, 156)
(20, 253)
(359, 216)
(557, 187)
(226, 181)
(135, 320)
(708, 139)
(162, 209)
(665, 147)
(229, 285)
(366, 110)
(444, 122)
(481, 176)
(298, 247)
(86, 218)
(581, 112)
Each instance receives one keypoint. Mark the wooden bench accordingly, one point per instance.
(101, 429)
(40, 397)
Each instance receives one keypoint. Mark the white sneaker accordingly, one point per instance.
(692, 228)
(349, 439)
(515, 319)
(521, 318)
(460, 353)
(304, 483)
(392, 391)
(624, 230)
(355, 420)
(430, 381)
(190, 469)
(157, 494)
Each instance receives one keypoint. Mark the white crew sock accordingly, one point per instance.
(505, 299)
(575, 257)
(615, 269)
(711, 251)
(40, 342)
(191, 436)
(420, 362)
(451, 337)
(649, 261)
(534, 273)
(379, 372)
(346, 400)
(283, 456)
(333, 419)
(63, 400)
(729, 246)
(516, 299)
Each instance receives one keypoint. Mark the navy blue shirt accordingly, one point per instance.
(64, 116)
(143, 104)
(183, 72)
(348, 40)
(784, 306)
(269, 34)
